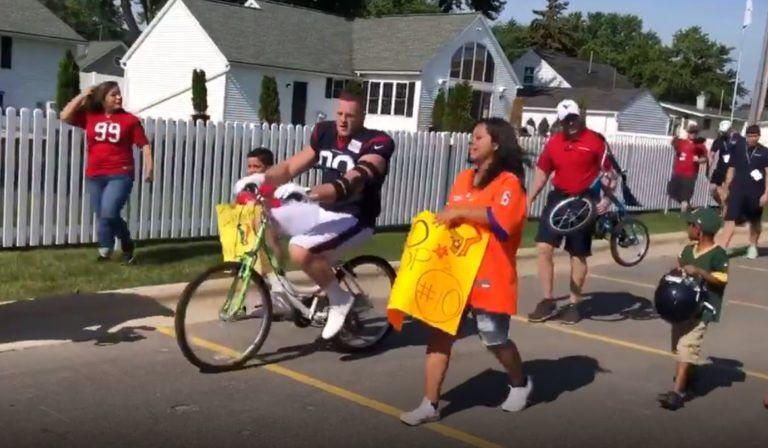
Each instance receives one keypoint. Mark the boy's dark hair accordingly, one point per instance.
(264, 155)
(753, 129)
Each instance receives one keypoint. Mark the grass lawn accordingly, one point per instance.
(53, 271)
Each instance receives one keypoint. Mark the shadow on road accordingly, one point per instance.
(551, 378)
(78, 317)
(617, 307)
(720, 373)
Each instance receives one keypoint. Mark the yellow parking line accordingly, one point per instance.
(750, 268)
(369, 403)
(650, 286)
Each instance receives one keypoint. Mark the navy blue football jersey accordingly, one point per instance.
(336, 155)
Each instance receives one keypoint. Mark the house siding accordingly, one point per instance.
(162, 65)
(543, 76)
(31, 80)
(644, 115)
(438, 68)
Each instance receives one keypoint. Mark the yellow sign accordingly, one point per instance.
(236, 231)
(437, 270)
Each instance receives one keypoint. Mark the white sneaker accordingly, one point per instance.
(337, 314)
(517, 399)
(752, 252)
(425, 413)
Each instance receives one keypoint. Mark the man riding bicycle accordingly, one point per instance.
(354, 162)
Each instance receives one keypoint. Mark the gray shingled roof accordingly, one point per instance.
(285, 36)
(404, 42)
(596, 99)
(577, 72)
(97, 50)
(30, 17)
(278, 35)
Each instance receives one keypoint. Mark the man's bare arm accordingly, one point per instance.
(287, 170)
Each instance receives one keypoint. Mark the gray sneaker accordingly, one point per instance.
(545, 310)
(425, 413)
(570, 314)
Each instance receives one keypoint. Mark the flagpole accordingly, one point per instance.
(738, 72)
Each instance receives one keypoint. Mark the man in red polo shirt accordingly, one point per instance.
(575, 157)
(689, 154)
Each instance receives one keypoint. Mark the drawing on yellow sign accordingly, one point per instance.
(236, 231)
(437, 270)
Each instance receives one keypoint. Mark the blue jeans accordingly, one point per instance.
(108, 196)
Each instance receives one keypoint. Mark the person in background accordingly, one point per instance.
(719, 155)
(690, 152)
(576, 156)
(111, 133)
(490, 195)
(746, 189)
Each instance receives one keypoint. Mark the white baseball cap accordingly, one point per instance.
(567, 107)
(725, 125)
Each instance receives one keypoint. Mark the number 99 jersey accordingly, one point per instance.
(110, 141)
(335, 155)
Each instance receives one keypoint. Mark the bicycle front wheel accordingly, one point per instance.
(630, 242)
(370, 280)
(223, 317)
(572, 215)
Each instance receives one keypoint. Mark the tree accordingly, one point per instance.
(548, 31)
(199, 93)
(513, 37)
(269, 101)
(438, 111)
(355, 87)
(489, 8)
(68, 82)
(387, 7)
(92, 19)
(458, 116)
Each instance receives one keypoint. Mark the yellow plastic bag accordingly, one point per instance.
(236, 231)
(437, 270)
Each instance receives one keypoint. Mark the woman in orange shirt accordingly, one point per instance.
(490, 195)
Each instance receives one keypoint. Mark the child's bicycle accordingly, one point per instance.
(623, 231)
(232, 301)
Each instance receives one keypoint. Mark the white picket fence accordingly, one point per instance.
(45, 201)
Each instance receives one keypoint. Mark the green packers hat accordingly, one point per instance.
(708, 219)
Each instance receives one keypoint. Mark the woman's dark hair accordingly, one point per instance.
(95, 101)
(264, 155)
(509, 156)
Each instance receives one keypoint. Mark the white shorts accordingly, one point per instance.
(334, 233)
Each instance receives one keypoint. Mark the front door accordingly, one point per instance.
(299, 104)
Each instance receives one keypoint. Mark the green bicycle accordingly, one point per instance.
(225, 314)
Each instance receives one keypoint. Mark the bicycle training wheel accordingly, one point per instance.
(630, 242)
(222, 321)
(572, 214)
(370, 280)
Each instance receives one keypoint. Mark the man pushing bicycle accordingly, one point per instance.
(576, 156)
(354, 163)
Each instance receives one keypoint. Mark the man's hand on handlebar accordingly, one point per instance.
(603, 205)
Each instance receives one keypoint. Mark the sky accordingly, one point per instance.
(721, 19)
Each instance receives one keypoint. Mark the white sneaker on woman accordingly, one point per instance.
(752, 252)
(517, 399)
(425, 413)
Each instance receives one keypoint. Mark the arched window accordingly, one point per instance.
(473, 62)
(544, 127)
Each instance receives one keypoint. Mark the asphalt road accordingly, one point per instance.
(123, 381)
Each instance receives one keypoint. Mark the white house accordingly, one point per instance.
(100, 62)
(32, 43)
(403, 61)
(613, 104)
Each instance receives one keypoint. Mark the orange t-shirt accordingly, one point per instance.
(495, 287)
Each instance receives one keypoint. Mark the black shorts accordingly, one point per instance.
(578, 244)
(718, 175)
(743, 207)
(680, 188)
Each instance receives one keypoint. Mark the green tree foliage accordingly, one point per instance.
(489, 8)
(269, 101)
(388, 7)
(68, 82)
(458, 117)
(438, 111)
(549, 31)
(92, 19)
(354, 86)
(513, 37)
(199, 92)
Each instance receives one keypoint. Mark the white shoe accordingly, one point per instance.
(752, 252)
(517, 399)
(337, 314)
(425, 413)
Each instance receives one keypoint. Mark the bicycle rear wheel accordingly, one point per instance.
(221, 321)
(572, 214)
(370, 280)
(630, 242)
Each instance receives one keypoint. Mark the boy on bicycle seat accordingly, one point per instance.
(354, 162)
(258, 161)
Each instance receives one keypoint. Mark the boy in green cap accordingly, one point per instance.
(708, 261)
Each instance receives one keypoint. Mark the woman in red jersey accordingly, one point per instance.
(490, 195)
(111, 133)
